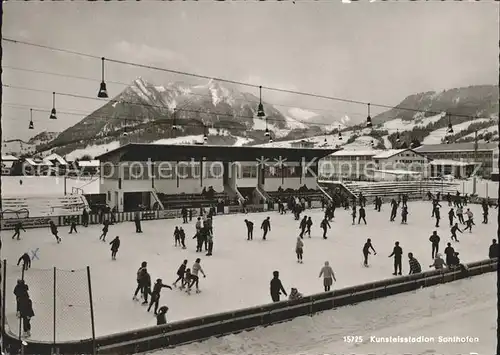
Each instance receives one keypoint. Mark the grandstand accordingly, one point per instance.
(42, 206)
(147, 175)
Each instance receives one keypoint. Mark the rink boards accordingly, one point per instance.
(217, 325)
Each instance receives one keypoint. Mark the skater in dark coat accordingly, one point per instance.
(362, 214)
(309, 224)
(17, 230)
(404, 215)
(137, 221)
(146, 283)
(249, 229)
(177, 237)
(180, 273)
(21, 290)
(25, 258)
(449, 252)
(155, 295)
(85, 218)
(299, 249)
(493, 252)
(182, 236)
(115, 245)
(454, 230)
(451, 216)
(26, 313)
(184, 214)
(72, 228)
(266, 227)
(302, 226)
(161, 317)
(54, 231)
(353, 214)
(105, 230)
(435, 205)
(437, 215)
(325, 225)
(434, 239)
(415, 267)
(394, 210)
(276, 287)
(397, 253)
(366, 250)
(140, 280)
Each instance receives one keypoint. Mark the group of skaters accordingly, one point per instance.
(188, 277)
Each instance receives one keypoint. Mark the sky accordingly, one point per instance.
(371, 52)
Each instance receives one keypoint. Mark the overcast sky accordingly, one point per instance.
(377, 52)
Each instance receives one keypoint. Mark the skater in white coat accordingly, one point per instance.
(194, 275)
(328, 276)
(299, 250)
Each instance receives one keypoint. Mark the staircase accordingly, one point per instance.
(263, 194)
(248, 192)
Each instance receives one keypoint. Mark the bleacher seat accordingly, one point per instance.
(314, 195)
(39, 206)
(414, 189)
(189, 200)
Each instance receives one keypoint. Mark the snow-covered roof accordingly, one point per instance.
(9, 157)
(56, 157)
(89, 163)
(389, 153)
(454, 147)
(451, 162)
(355, 153)
(38, 163)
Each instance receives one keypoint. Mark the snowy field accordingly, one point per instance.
(465, 308)
(238, 273)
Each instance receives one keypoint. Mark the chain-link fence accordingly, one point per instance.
(61, 301)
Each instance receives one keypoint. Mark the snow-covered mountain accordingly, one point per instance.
(19, 147)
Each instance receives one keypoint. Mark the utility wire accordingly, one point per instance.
(191, 93)
(199, 76)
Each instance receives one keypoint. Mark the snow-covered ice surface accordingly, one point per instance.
(464, 308)
(238, 273)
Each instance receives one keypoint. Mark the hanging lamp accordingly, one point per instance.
(205, 137)
(450, 127)
(340, 134)
(103, 92)
(398, 140)
(31, 125)
(53, 113)
(369, 119)
(174, 121)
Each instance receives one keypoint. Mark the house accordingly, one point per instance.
(34, 166)
(486, 154)
(302, 144)
(60, 165)
(348, 165)
(400, 164)
(7, 162)
(88, 167)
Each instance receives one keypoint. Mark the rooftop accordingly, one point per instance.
(451, 162)
(455, 147)
(355, 153)
(389, 153)
(161, 152)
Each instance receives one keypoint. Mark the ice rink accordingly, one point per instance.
(465, 308)
(238, 273)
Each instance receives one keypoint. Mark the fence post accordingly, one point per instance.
(55, 318)
(4, 276)
(92, 321)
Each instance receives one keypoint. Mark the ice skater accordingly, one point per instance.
(302, 226)
(328, 276)
(105, 230)
(177, 237)
(115, 245)
(366, 251)
(454, 231)
(249, 229)
(438, 262)
(155, 295)
(54, 231)
(309, 224)
(137, 222)
(180, 273)
(276, 287)
(266, 227)
(460, 214)
(161, 317)
(195, 269)
(404, 214)
(394, 210)
(353, 214)
(437, 215)
(362, 214)
(451, 216)
(325, 225)
(415, 267)
(26, 313)
(434, 239)
(73, 225)
(25, 258)
(140, 280)
(299, 249)
(493, 251)
(397, 253)
(449, 252)
(17, 230)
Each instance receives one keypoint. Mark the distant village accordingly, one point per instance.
(51, 165)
